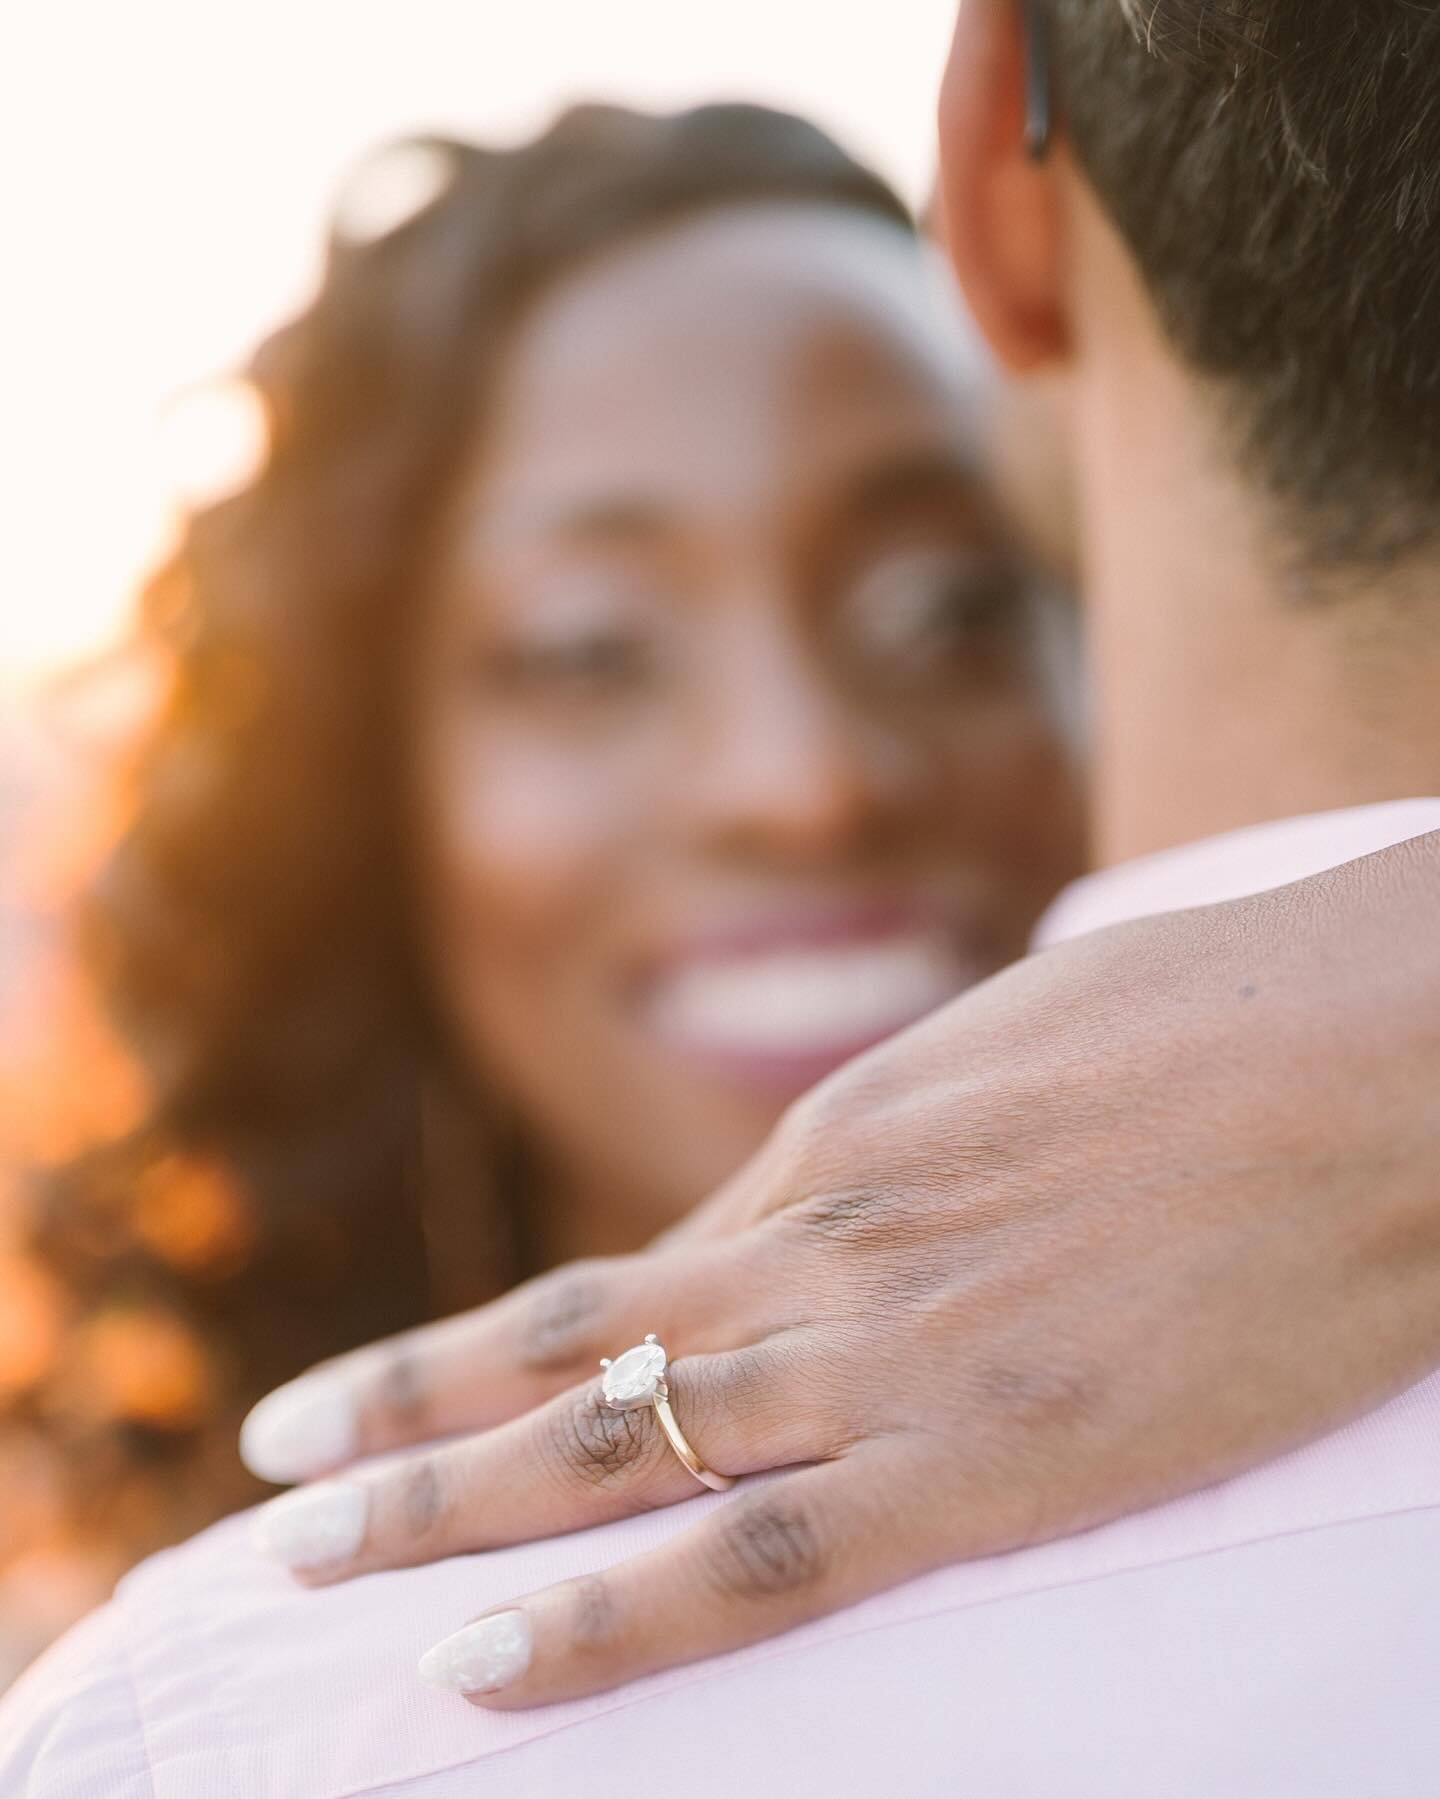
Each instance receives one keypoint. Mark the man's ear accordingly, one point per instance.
(1003, 217)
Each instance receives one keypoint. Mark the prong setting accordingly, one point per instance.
(634, 1379)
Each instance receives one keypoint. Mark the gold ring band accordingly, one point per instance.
(680, 1443)
(637, 1379)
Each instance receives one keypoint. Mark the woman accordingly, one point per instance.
(612, 706)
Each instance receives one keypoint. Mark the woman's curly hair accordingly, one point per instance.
(252, 930)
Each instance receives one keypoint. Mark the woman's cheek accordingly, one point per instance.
(527, 836)
(1032, 809)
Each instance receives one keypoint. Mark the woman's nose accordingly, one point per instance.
(789, 765)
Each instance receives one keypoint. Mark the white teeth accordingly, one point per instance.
(806, 1001)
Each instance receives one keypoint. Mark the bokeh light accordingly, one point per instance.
(212, 440)
(390, 188)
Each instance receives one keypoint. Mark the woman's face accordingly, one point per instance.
(731, 753)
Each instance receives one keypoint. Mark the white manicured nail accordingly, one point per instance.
(482, 1658)
(301, 1429)
(313, 1526)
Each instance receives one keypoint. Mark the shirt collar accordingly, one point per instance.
(1232, 866)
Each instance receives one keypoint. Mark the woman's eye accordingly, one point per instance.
(594, 664)
(936, 612)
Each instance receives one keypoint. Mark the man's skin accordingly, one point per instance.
(1225, 694)
(1143, 1211)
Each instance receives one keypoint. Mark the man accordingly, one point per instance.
(1229, 246)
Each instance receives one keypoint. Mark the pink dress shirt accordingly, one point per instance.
(1276, 1637)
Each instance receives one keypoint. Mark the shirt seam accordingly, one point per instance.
(127, 1664)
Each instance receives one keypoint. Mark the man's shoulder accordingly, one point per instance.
(70, 1726)
(1315, 1581)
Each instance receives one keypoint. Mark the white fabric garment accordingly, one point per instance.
(1276, 1637)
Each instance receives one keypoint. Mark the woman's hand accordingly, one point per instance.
(1138, 1213)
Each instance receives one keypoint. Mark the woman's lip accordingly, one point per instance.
(802, 927)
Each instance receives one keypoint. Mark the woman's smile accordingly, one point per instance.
(781, 995)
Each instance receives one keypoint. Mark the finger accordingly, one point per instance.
(574, 1462)
(483, 1367)
(774, 1557)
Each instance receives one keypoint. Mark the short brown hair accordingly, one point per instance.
(1274, 166)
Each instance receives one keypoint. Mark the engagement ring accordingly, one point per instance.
(637, 1379)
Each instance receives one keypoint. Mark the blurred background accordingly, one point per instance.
(169, 167)
(169, 171)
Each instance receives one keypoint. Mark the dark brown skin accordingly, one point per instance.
(1221, 1127)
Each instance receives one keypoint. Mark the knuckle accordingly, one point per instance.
(733, 1379)
(560, 1315)
(745, 1392)
(786, 1399)
(591, 1442)
(424, 1497)
(858, 1217)
(764, 1548)
(825, 1108)
(399, 1387)
(848, 1104)
(595, 1618)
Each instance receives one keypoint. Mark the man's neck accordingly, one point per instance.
(1227, 695)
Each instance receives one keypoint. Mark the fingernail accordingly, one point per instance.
(314, 1526)
(300, 1429)
(482, 1658)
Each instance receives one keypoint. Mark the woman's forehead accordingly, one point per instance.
(757, 274)
(739, 349)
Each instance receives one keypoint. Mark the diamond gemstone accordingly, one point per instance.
(631, 1379)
